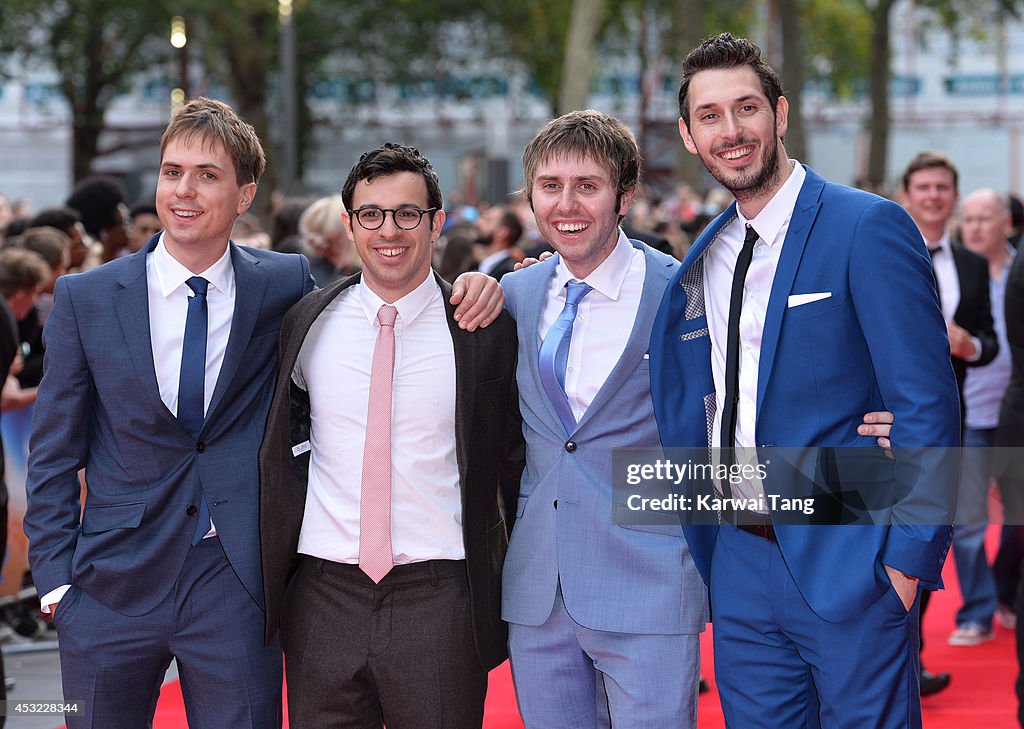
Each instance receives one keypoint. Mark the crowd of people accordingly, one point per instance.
(410, 473)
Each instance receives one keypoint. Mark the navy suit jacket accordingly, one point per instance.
(876, 342)
(99, 408)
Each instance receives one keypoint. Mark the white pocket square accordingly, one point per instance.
(801, 299)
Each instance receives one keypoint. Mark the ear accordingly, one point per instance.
(626, 202)
(781, 117)
(245, 198)
(346, 222)
(437, 225)
(684, 133)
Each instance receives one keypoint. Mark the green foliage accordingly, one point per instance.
(837, 43)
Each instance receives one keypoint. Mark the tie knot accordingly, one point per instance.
(577, 290)
(933, 251)
(198, 285)
(386, 315)
(751, 237)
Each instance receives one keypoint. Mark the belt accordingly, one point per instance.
(752, 523)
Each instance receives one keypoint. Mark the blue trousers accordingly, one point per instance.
(780, 666)
(977, 584)
(113, 664)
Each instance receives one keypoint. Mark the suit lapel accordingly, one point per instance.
(465, 345)
(808, 203)
(692, 279)
(307, 311)
(250, 288)
(132, 299)
(656, 276)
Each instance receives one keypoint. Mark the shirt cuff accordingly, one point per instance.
(51, 597)
(977, 350)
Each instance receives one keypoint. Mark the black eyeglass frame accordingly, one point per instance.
(357, 214)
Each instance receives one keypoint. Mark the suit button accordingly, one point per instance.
(570, 447)
(200, 447)
(192, 510)
(555, 504)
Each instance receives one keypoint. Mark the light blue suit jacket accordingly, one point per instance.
(877, 342)
(629, 579)
(99, 408)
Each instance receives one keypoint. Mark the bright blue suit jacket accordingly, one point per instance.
(626, 579)
(878, 342)
(99, 408)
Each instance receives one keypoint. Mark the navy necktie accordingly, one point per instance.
(192, 380)
(554, 353)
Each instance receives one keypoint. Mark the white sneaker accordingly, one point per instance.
(1006, 617)
(970, 634)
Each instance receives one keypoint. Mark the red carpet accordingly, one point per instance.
(980, 695)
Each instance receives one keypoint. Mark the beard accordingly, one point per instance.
(749, 185)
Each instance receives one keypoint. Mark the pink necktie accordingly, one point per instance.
(375, 558)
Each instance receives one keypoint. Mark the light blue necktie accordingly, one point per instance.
(192, 381)
(554, 353)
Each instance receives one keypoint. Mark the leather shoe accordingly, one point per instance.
(932, 683)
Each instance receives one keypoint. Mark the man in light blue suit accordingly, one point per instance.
(603, 619)
(803, 305)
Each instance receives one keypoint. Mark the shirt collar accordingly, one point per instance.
(608, 277)
(409, 306)
(943, 243)
(172, 275)
(779, 209)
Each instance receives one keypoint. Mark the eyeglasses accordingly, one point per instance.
(408, 218)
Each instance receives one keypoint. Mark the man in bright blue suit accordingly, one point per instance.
(603, 619)
(803, 305)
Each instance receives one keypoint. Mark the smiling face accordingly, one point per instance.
(198, 198)
(578, 210)
(737, 135)
(930, 198)
(395, 261)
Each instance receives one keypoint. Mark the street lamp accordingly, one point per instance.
(179, 40)
(288, 171)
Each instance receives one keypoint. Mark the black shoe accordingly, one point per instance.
(933, 683)
(702, 687)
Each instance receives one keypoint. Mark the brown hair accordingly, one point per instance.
(214, 121)
(927, 161)
(20, 270)
(587, 133)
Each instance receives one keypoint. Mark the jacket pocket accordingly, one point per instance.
(98, 519)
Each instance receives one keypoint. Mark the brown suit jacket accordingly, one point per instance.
(484, 397)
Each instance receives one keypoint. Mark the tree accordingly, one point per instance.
(96, 48)
(580, 49)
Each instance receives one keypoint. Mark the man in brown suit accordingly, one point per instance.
(407, 641)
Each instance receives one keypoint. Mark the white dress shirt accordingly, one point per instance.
(946, 276)
(948, 280)
(168, 307)
(771, 224)
(604, 320)
(334, 367)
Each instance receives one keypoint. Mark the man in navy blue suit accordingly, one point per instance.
(158, 377)
(800, 307)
